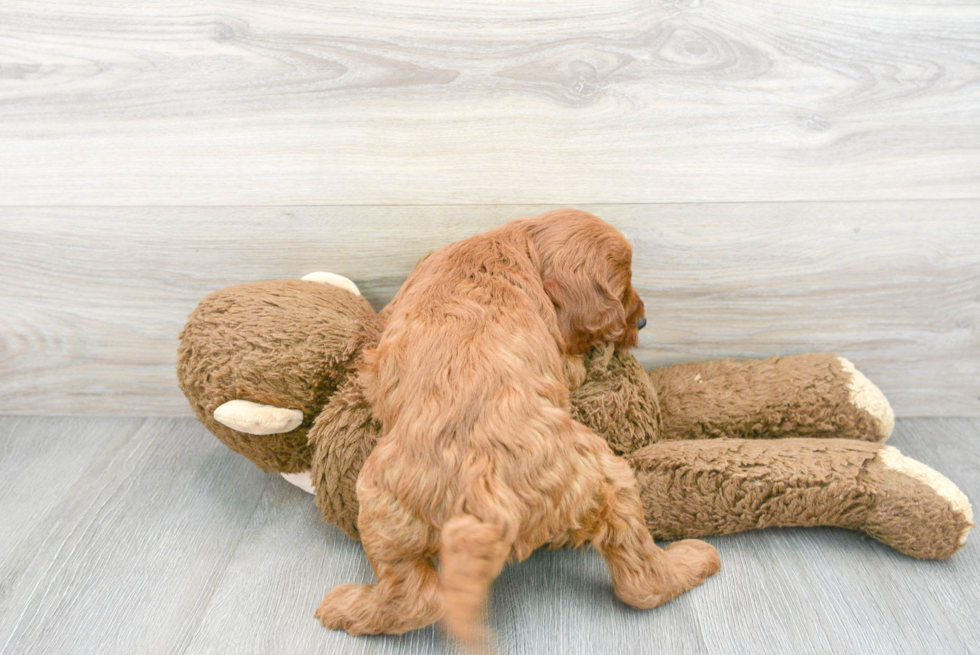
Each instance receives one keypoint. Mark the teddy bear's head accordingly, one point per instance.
(285, 344)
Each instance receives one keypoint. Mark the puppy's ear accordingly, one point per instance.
(588, 311)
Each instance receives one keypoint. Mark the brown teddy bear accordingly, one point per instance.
(717, 447)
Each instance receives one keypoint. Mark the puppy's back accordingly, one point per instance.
(465, 330)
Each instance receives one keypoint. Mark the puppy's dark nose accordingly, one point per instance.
(642, 323)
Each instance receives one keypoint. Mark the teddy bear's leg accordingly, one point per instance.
(723, 486)
(334, 279)
(343, 435)
(812, 395)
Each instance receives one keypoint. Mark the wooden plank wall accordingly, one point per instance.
(94, 297)
(795, 176)
(234, 102)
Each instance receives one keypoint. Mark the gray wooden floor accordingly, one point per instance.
(131, 535)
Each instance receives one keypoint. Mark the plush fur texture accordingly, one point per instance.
(721, 486)
(343, 436)
(288, 344)
(799, 396)
(231, 346)
(293, 344)
(693, 487)
(480, 461)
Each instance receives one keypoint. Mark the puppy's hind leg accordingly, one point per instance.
(407, 595)
(644, 575)
(405, 598)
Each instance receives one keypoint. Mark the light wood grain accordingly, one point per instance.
(42, 460)
(556, 602)
(165, 542)
(231, 102)
(128, 558)
(92, 299)
(153, 152)
(287, 560)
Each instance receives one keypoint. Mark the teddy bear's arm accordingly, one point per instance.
(723, 486)
(812, 395)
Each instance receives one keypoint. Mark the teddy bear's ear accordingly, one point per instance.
(334, 279)
(303, 480)
(254, 418)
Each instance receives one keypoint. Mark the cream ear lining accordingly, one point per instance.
(254, 418)
(303, 480)
(334, 279)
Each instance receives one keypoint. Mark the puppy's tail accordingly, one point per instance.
(473, 554)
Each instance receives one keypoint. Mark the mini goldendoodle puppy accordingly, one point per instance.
(480, 462)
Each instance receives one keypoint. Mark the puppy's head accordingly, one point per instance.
(586, 269)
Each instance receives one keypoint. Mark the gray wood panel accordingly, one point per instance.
(287, 560)
(168, 543)
(556, 602)
(92, 299)
(42, 460)
(128, 558)
(232, 102)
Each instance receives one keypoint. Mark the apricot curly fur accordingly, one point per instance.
(480, 461)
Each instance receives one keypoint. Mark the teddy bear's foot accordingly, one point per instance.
(254, 418)
(865, 395)
(334, 279)
(303, 480)
(919, 511)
